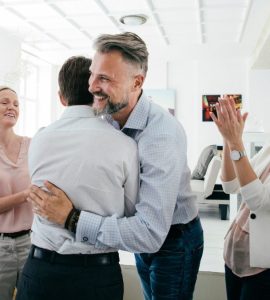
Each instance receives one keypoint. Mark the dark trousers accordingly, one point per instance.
(171, 272)
(44, 280)
(255, 287)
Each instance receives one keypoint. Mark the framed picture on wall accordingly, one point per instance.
(209, 105)
(163, 97)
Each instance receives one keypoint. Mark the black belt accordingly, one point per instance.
(74, 259)
(176, 229)
(14, 235)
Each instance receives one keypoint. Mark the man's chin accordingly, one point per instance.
(99, 106)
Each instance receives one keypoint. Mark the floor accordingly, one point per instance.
(214, 232)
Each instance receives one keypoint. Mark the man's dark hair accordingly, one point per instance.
(73, 81)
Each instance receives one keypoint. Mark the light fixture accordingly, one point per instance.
(133, 20)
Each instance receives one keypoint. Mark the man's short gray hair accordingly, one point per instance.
(129, 44)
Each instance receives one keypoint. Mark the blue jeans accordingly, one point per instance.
(171, 272)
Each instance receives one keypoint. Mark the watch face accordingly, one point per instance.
(235, 155)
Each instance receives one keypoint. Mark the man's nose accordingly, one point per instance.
(92, 84)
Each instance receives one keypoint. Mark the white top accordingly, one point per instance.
(247, 245)
(256, 194)
(93, 163)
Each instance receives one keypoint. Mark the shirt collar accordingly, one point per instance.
(139, 116)
(78, 111)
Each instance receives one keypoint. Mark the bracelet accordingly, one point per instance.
(72, 220)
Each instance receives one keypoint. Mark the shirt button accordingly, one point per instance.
(252, 216)
(85, 239)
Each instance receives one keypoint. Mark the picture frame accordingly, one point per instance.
(209, 104)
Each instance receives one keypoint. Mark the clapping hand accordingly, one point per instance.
(229, 120)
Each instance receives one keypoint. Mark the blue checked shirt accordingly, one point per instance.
(165, 197)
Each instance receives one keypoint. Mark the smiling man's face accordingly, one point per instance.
(111, 82)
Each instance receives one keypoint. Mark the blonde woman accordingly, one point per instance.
(15, 212)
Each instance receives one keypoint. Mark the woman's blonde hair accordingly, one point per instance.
(4, 87)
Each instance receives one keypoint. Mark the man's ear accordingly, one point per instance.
(138, 81)
(62, 99)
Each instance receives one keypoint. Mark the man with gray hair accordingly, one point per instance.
(165, 231)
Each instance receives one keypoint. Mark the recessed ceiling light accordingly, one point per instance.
(133, 20)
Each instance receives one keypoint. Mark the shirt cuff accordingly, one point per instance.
(88, 228)
(252, 194)
(231, 187)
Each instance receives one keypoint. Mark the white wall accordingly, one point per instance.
(157, 74)
(57, 107)
(10, 58)
(259, 93)
(191, 80)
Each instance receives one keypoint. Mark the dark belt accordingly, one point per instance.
(177, 229)
(74, 259)
(14, 235)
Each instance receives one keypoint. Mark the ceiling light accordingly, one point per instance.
(133, 20)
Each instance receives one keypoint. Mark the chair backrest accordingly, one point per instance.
(211, 175)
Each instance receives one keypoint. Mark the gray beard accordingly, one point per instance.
(110, 108)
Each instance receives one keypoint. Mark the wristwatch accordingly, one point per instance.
(237, 155)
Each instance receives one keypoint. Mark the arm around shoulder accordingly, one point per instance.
(162, 163)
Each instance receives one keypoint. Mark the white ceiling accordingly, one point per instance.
(56, 29)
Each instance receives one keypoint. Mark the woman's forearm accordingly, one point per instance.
(243, 170)
(227, 168)
(8, 202)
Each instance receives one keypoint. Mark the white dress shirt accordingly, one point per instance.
(93, 163)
